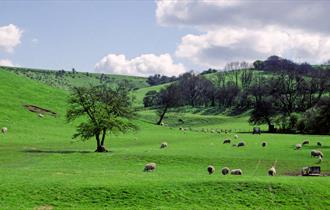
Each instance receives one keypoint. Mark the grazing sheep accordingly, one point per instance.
(163, 145)
(211, 169)
(316, 153)
(272, 171)
(236, 172)
(319, 144)
(226, 141)
(150, 167)
(305, 142)
(4, 130)
(236, 136)
(225, 171)
(241, 144)
(264, 144)
(41, 115)
(298, 146)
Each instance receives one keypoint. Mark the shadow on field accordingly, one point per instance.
(56, 151)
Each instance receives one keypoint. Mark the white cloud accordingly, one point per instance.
(6, 62)
(232, 30)
(215, 48)
(305, 14)
(10, 37)
(143, 65)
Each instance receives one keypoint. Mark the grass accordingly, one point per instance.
(41, 166)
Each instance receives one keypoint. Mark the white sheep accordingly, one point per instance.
(4, 130)
(163, 145)
(236, 172)
(272, 171)
(150, 167)
(211, 169)
(225, 170)
(298, 146)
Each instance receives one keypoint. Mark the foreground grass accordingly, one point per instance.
(40, 165)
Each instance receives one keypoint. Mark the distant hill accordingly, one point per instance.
(67, 79)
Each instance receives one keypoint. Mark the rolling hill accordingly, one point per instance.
(41, 167)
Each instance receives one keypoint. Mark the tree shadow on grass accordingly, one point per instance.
(57, 151)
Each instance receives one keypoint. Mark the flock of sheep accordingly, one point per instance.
(225, 170)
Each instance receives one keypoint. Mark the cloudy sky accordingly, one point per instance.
(167, 37)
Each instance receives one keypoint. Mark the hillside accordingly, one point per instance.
(67, 79)
(42, 167)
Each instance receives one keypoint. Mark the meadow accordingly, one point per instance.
(41, 167)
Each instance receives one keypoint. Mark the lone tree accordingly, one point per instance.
(168, 98)
(103, 110)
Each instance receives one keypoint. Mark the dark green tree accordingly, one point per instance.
(103, 111)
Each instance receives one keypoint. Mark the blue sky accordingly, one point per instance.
(66, 34)
(166, 37)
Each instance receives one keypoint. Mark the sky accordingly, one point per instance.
(167, 37)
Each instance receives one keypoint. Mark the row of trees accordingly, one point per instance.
(284, 99)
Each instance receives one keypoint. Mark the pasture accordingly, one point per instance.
(42, 167)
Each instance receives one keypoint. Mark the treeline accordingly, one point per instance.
(158, 79)
(294, 98)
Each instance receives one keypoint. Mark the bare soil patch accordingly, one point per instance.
(39, 110)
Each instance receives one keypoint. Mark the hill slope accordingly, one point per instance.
(42, 168)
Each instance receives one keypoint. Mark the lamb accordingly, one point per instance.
(163, 145)
(210, 169)
(225, 171)
(298, 146)
(305, 142)
(4, 130)
(236, 172)
(319, 144)
(226, 141)
(272, 171)
(316, 153)
(264, 144)
(150, 167)
(241, 144)
(236, 136)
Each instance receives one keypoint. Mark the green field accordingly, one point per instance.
(42, 167)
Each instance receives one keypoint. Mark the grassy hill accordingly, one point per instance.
(41, 167)
(67, 79)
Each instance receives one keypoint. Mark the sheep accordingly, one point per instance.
(162, 124)
(272, 171)
(298, 146)
(316, 153)
(210, 169)
(163, 145)
(319, 144)
(226, 141)
(225, 171)
(236, 136)
(4, 130)
(264, 144)
(150, 167)
(241, 144)
(305, 142)
(236, 172)
(41, 115)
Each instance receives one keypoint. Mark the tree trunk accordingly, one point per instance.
(162, 116)
(270, 126)
(100, 147)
